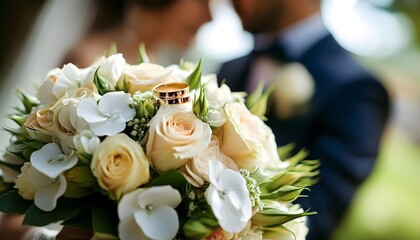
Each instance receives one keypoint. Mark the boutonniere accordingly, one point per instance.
(293, 90)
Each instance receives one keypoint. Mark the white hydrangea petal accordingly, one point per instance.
(117, 103)
(88, 110)
(128, 229)
(128, 203)
(215, 169)
(228, 197)
(46, 197)
(110, 127)
(154, 222)
(160, 196)
(51, 161)
(238, 193)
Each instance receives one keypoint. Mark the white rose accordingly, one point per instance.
(217, 96)
(144, 77)
(196, 171)
(112, 68)
(45, 93)
(247, 139)
(179, 74)
(175, 137)
(70, 79)
(120, 165)
(86, 142)
(216, 117)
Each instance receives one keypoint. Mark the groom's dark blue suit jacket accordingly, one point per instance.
(342, 127)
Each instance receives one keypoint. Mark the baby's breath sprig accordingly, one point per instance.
(253, 188)
(146, 107)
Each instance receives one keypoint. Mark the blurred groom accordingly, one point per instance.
(343, 120)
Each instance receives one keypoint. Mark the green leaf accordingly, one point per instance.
(66, 209)
(105, 219)
(252, 99)
(171, 177)
(194, 79)
(285, 193)
(259, 106)
(12, 202)
(286, 150)
(143, 57)
(28, 101)
(274, 217)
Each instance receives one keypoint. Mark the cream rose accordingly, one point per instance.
(64, 112)
(175, 137)
(24, 184)
(196, 171)
(120, 165)
(144, 77)
(247, 139)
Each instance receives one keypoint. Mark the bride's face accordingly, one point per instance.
(182, 19)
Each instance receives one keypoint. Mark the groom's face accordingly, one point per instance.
(261, 15)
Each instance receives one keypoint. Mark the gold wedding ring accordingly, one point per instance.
(175, 100)
(171, 90)
(172, 93)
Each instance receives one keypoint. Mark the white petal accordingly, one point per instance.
(110, 127)
(236, 186)
(117, 102)
(229, 198)
(51, 161)
(128, 229)
(159, 196)
(67, 79)
(128, 204)
(215, 169)
(46, 198)
(88, 110)
(161, 223)
(112, 68)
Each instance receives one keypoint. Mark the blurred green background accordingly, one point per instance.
(387, 206)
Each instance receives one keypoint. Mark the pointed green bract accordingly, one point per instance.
(102, 86)
(194, 79)
(112, 49)
(28, 101)
(259, 102)
(201, 105)
(143, 57)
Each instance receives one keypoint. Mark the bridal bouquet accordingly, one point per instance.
(151, 152)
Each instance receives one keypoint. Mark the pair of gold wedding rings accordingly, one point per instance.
(172, 93)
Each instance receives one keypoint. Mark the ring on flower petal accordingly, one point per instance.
(173, 101)
(171, 90)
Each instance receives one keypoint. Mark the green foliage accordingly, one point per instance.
(194, 79)
(105, 220)
(143, 57)
(12, 202)
(256, 102)
(173, 178)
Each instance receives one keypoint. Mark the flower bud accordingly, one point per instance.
(80, 182)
